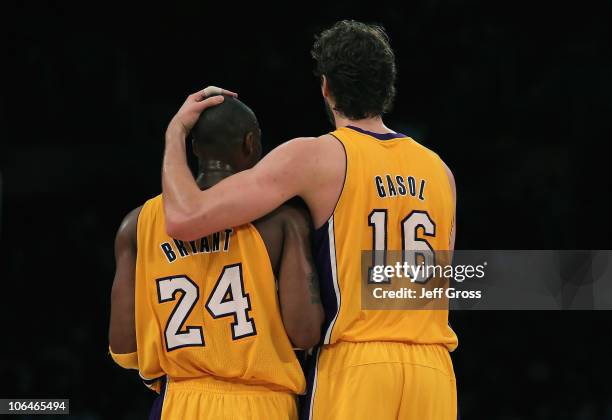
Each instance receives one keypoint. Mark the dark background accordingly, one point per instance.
(514, 97)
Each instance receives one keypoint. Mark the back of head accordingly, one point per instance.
(223, 128)
(359, 65)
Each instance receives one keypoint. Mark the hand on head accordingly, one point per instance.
(195, 103)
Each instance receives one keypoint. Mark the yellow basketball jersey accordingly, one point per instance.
(392, 184)
(209, 307)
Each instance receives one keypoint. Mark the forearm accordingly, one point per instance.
(122, 329)
(232, 202)
(240, 198)
(301, 311)
(298, 287)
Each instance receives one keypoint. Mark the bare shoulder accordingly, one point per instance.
(317, 159)
(298, 153)
(319, 152)
(294, 213)
(126, 234)
(311, 144)
(312, 168)
(299, 142)
(290, 218)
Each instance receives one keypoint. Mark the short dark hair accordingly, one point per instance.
(359, 65)
(225, 123)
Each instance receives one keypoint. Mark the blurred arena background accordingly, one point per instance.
(514, 96)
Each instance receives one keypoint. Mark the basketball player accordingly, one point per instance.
(367, 187)
(201, 319)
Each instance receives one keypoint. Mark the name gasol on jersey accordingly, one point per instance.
(398, 185)
(217, 242)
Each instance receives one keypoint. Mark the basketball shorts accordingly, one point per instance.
(381, 380)
(213, 398)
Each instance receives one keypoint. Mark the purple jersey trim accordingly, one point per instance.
(379, 136)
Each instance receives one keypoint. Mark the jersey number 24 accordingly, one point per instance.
(227, 299)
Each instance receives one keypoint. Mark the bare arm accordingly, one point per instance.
(300, 167)
(299, 297)
(122, 330)
(246, 196)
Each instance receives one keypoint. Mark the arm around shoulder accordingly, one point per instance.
(243, 197)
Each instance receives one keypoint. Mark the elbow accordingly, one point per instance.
(179, 226)
(175, 228)
(305, 332)
(305, 337)
(188, 223)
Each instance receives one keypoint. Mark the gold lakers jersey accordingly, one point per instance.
(394, 188)
(209, 307)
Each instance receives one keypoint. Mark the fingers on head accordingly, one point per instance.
(211, 91)
(214, 90)
(215, 100)
(196, 97)
(229, 93)
(212, 101)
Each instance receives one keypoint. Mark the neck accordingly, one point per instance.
(211, 172)
(374, 124)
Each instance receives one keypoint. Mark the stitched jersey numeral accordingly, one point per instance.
(227, 299)
(414, 249)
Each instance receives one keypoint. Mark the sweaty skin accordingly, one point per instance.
(311, 168)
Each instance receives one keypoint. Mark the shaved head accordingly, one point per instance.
(227, 135)
(225, 126)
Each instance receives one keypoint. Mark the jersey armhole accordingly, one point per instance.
(343, 183)
(261, 238)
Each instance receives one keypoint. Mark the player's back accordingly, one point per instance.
(209, 308)
(396, 196)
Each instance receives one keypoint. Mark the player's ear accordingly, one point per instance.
(248, 144)
(195, 148)
(251, 147)
(324, 86)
